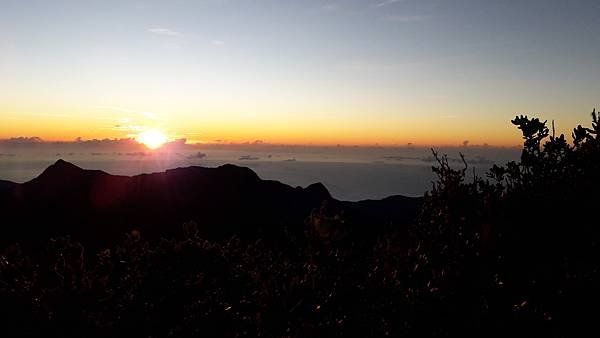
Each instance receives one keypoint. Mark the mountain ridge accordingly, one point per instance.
(97, 207)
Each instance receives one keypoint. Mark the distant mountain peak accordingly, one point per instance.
(239, 170)
(61, 170)
(318, 190)
(62, 165)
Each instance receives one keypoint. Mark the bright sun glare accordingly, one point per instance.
(152, 138)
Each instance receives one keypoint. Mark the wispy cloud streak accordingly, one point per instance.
(387, 2)
(405, 18)
(165, 32)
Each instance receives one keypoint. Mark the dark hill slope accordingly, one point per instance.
(98, 208)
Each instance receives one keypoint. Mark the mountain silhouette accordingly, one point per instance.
(98, 208)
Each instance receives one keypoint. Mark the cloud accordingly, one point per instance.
(218, 42)
(115, 108)
(17, 115)
(22, 140)
(330, 7)
(150, 115)
(387, 2)
(405, 18)
(146, 114)
(138, 153)
(475, 160)
(165, 32)
(197, 156)
(127, 127)
(68, 116)
(400, 158)
(376, 66)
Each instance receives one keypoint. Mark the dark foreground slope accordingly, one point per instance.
(97, 208)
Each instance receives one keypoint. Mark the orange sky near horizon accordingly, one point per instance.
(444, 131)
(420, 129)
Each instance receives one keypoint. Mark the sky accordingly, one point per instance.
(388, 72)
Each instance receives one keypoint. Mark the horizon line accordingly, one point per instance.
(33, 140)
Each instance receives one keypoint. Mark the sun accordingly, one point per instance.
(152, 138)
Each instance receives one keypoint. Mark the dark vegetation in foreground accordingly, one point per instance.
(513, 253)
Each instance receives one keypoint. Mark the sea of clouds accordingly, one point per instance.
(350, 173)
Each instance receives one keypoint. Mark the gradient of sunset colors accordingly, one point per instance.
(386, 72)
